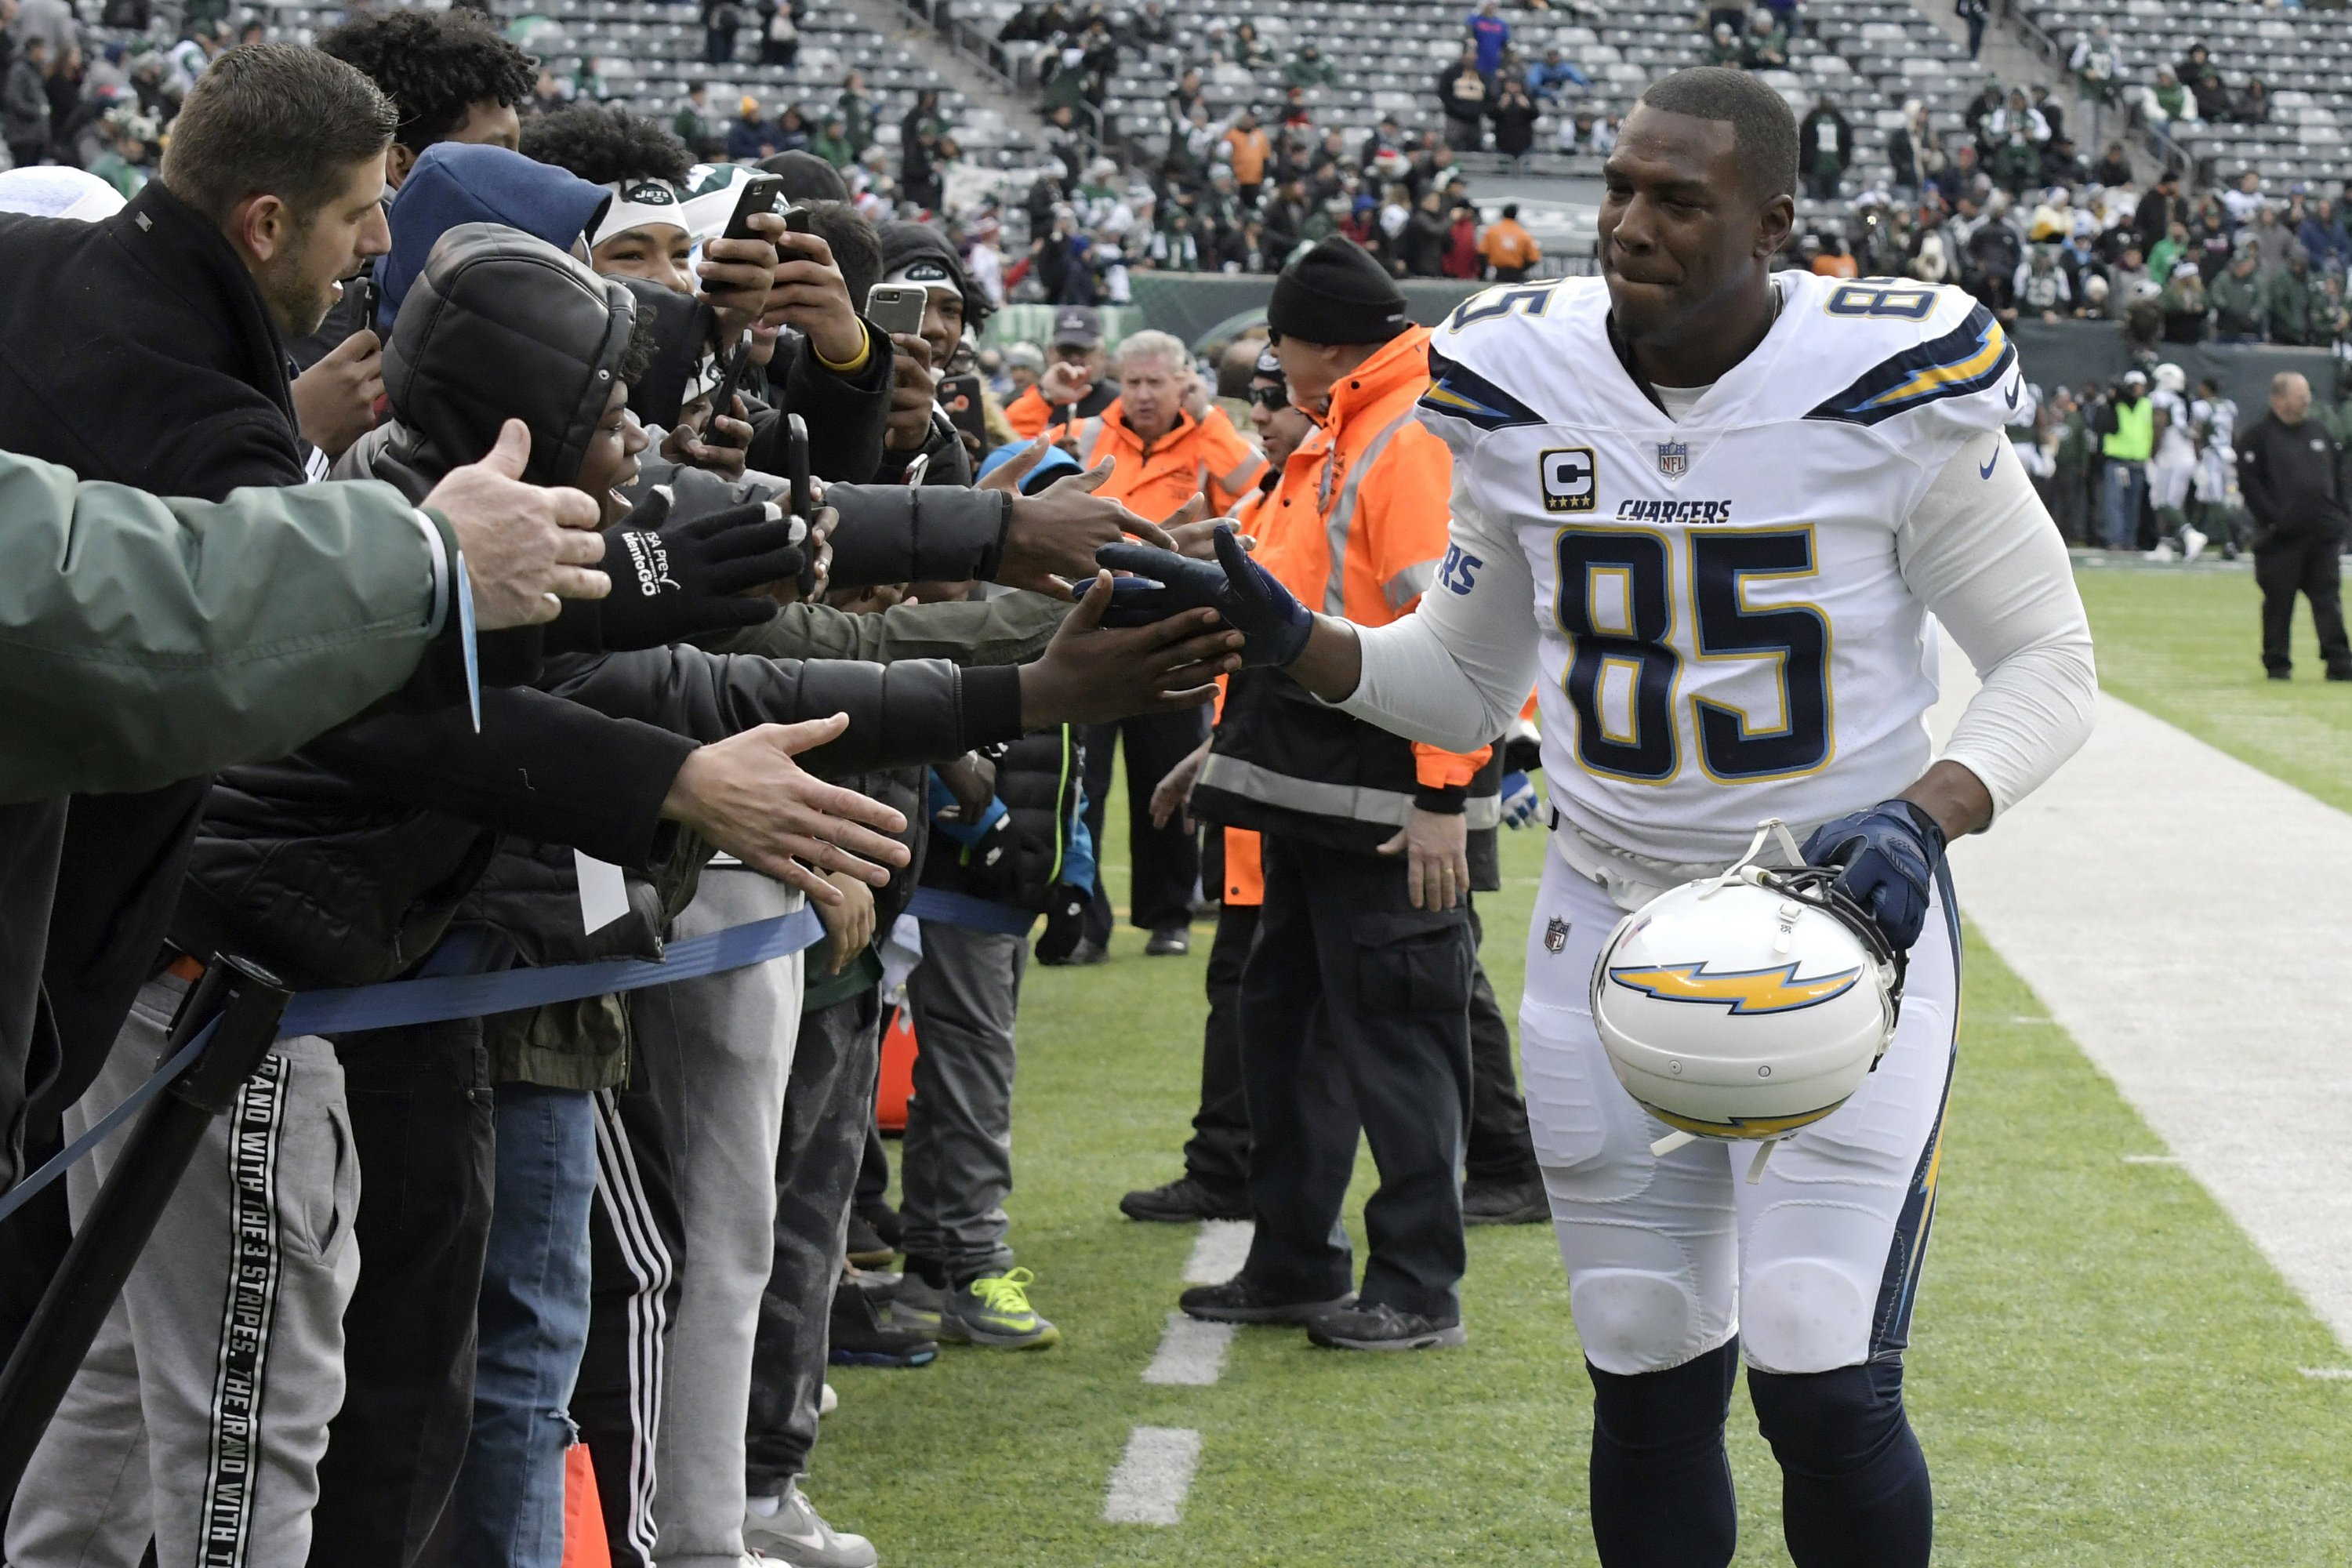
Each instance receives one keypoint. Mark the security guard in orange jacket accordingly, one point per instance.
(1162, 457)
(1363, 943)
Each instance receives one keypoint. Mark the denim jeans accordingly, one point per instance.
(508, 1509)
(2126, 483)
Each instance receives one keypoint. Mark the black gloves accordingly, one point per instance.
(1274, 624)
(674, 579)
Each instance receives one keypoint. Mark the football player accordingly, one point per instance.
(1714, 506)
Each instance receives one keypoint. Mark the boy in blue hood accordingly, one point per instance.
(452, 184)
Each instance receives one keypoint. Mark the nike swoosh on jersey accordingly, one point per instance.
(1990, 463)
(2013, 387)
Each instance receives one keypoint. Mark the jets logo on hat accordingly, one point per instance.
(649, 193)
(925, 272)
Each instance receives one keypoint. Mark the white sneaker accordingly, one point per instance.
(794, 1534)
(827, 1402)
(2163, 551)
(2192, 544)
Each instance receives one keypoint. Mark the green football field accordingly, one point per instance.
(2103, 1371)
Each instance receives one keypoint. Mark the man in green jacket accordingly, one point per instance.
(144, 641)
(2292, 295)
(2239, 305)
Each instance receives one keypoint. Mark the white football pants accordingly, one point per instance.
(1815, 1265)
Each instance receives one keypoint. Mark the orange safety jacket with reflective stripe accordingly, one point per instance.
(1206, 457)
(1356, 528)
(1244, 874)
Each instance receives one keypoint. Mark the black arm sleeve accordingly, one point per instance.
(901, 714)
(845, 414)
(894, 533)
(542, 767)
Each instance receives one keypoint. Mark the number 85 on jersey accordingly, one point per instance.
(1672, 659)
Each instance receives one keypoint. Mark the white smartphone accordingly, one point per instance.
(895, 307)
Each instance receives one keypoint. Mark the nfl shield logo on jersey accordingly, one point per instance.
(1555, 935)
(1673, 458)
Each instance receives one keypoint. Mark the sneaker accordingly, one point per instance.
(866, 1248)
(883, 1221)
(1381, 1327)
(1238, 1300)
(863, 1332)
(1088, 951)
(2163, 551)
(827, 1401)
(919, 1306)
(1171, 941)
(2280, 674)
(2192, 544)
(1504, 1203)
(994, 1310)
(2339, 674)
(1180, 1201)
(795, 1534)
(882, 1284)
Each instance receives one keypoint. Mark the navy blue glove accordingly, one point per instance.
(1274, 626)
(1887, 858)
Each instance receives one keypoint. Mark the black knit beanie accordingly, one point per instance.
(1337, 293)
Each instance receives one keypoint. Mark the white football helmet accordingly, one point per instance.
(1746, 1005)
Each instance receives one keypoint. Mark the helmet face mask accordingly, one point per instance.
(1747, 1006)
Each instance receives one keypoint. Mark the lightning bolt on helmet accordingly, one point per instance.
(1746, 1005)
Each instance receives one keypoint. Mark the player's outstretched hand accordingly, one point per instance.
(1887, 858)
(1091, 675)
(747, 795)
(526, 549)
(673, 578)
(1055, 532)
(1275, 625)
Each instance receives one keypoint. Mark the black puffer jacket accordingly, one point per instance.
(342, 864)
(1038, 779)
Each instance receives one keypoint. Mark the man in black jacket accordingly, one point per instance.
(2292, 474)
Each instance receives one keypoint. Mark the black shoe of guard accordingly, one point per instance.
(1239, 1301)
(1504, 1203)
(1381, 1327)
(1181, 1202)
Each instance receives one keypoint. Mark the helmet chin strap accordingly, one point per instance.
(1740, 870)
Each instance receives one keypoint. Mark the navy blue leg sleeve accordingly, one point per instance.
(1853, 1489)
(1660, 1480)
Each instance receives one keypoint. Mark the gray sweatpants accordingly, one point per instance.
(955, 1165)
(733, 1036)
(201, 1412)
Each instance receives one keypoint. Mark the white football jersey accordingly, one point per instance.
(1726, 633)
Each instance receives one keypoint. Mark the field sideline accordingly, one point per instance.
(2104, 1369)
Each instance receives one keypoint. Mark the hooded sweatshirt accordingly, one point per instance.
(455, 182)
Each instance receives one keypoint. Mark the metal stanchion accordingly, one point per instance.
(247, 1001)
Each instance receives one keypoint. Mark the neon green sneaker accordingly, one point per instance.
(994, 1310)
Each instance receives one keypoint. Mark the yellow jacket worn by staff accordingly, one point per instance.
(1204, 456)
(1356, 528)
(2134, 437)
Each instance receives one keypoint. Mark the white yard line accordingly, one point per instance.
(1192, 1354)
(1220, 1251)
(1153, 1477)
(2186, 918)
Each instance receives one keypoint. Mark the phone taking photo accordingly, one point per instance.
(804, 495)
(897, 307)
(760, 194)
